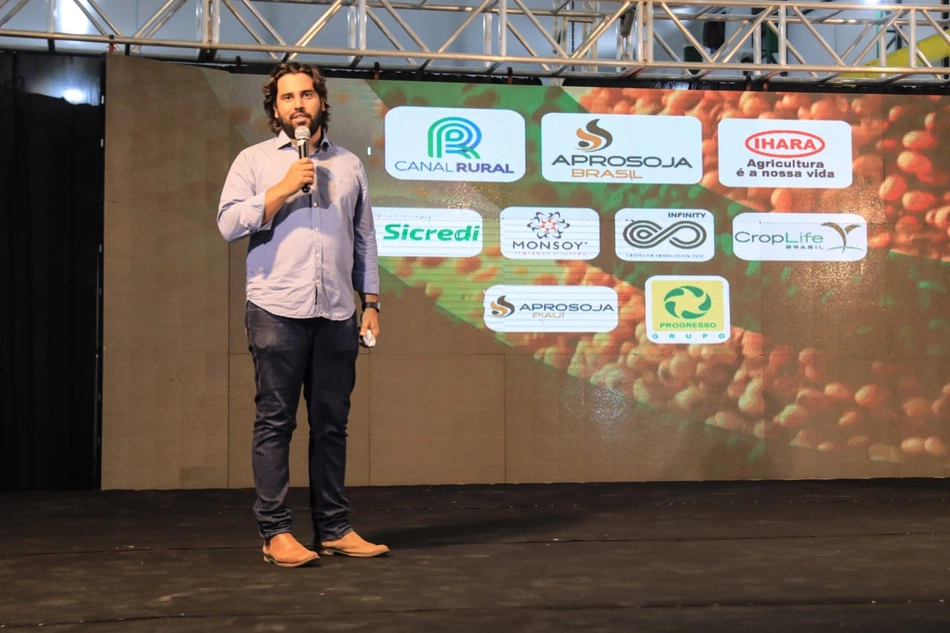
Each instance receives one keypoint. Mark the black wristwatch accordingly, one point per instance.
(371, 304)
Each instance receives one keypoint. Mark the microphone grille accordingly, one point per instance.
(302, 133)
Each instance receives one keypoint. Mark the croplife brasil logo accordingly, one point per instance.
(621, 148)
(800, 236)
(551, 308)
(687, 309)
(421, 232)
(775, 153)
(550, 233)
(665, 235)
(461, 144)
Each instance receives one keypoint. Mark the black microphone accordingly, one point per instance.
(302, 134)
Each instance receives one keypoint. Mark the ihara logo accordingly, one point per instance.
(785, 144)
(687, 302)
(592, 137)
(501, 308)
(454, 135)
(842, 231)
(548, 224)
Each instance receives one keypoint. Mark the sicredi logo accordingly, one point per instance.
(550, 233)
(797, 237)
(621, 148)
(510, 308)
(657, 235)
(776, 153)
(461, 144)
(417, 232)
(687, 309)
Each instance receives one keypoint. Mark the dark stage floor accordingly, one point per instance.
(763, 556)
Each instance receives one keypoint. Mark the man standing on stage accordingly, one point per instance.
(312, 243)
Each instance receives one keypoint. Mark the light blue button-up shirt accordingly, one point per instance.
(307, 261)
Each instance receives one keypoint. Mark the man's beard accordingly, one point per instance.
(313, 125)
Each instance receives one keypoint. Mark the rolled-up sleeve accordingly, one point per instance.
(241, 207)
(365, 256)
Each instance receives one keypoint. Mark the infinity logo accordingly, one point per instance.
(502, 308)
(594, 138)
(646, 234)
(454, 135)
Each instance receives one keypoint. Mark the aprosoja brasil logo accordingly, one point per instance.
(592, 137)
(548, 224)
(647, 234)
(454, 135)
(687, 302)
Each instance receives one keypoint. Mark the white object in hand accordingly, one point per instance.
(368, 339)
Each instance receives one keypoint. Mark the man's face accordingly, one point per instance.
(298, 104)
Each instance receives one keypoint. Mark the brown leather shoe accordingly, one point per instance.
(286, 551)
(353, 545)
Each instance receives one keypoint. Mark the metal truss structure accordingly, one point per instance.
(806, 42)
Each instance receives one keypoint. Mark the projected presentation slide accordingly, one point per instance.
(771, 264)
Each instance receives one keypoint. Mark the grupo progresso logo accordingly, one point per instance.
(687, 309)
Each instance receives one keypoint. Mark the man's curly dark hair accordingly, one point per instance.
(291, 68)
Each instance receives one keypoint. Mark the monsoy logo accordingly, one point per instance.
(550, 233)
(819, 237)
(460, 144)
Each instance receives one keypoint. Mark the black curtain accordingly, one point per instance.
(51, 201)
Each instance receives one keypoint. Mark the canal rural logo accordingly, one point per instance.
(592, 137)
(785, 144)
(456, 144)
(454, 135)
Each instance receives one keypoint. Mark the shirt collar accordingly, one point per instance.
(283, 140)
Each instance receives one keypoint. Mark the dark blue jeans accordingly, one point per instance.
(320, 355)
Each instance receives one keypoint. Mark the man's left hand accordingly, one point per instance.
(370, 322)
